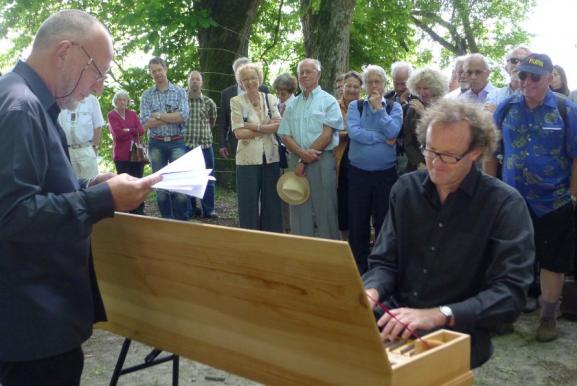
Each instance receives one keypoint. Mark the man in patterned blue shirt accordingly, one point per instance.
(163, 111)
(539, 130)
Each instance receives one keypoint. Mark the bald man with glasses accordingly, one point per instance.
(49, 298)
(477, 73)
(456, 248)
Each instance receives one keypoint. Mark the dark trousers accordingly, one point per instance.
(59, 370)
(259, 206)
(135, 169)
(343, 191)
(368, 197)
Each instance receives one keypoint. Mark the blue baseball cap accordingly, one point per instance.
(536, 64)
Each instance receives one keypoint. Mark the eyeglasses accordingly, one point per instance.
(101, 76)
(444, 157)
(534, 77)
(513, 60)
(475, 72)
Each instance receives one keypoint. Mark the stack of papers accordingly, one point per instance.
(187, 175)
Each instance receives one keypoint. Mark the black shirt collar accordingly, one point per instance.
(468, 185)
(38, 87)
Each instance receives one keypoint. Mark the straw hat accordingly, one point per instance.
(292, 189)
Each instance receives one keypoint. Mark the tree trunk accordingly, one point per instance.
(221, 44)
(327, 36)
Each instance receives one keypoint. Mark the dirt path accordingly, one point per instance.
(518, 359)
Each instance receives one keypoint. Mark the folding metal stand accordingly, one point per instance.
(149, 361)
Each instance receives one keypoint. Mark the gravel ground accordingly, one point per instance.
(518, 358)
(518, 361)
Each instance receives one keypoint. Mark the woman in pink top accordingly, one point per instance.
(125, 127)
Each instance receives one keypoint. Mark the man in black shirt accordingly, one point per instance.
(456, 249)
(49, 298)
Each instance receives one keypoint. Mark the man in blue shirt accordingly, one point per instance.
(163, 111)
(540, 161)
(372, 154)
(309, 130)
(49, 298)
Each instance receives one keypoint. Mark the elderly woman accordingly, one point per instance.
(125, 128)
(427, 85)
(373, 126)
(351, 92)
(255, 120)
(284, 86)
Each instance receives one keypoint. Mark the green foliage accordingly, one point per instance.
(490, 27)
(165, 28)
(381, 33)
(385, 31)
(276, 36)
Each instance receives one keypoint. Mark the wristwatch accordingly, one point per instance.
(448, 314)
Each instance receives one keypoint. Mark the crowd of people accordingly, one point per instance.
(448, 222)
(470, 190)
(340, 156)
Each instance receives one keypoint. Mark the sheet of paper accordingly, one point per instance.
(187, 175)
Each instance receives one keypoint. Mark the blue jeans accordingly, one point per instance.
(207, 202)
(170, 205)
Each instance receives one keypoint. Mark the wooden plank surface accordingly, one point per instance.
(274, 308)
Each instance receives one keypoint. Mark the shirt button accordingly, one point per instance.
(425, 271)
(415, 293)
(440, 225)
(433, 248)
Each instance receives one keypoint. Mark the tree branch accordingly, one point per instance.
(276, 31)
(437, 19)
(436, 37)
(469, 35)
(449, 26)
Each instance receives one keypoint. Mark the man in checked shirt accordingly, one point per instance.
(163, 111)
(198, 132)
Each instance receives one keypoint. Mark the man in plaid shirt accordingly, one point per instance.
(163, 111)
(201, 119)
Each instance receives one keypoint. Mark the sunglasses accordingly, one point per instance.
(525, 75)
(514, 60)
